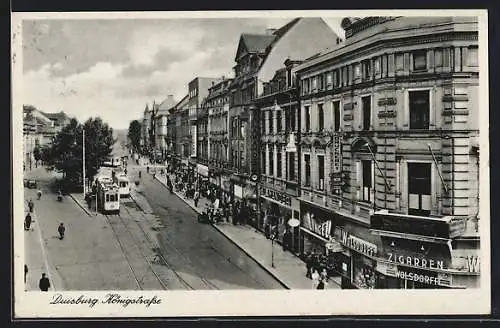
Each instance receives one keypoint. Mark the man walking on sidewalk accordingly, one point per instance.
(61, 229)
(44, 283)
(31, 205)
(196, 198)
(27, 222)
(25, 272)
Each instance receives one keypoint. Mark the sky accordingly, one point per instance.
(112, 68)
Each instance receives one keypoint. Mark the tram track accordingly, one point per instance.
(136, 265)
(159, 252)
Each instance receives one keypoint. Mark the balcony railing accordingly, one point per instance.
(357, 210)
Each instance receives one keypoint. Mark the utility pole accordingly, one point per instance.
(83, 150)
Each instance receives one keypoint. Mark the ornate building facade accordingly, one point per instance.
(389, 181)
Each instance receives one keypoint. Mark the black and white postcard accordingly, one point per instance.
(250, 163)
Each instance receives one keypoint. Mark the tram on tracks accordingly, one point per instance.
(108, 195)
(123, 185)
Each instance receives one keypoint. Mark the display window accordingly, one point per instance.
(363, 272)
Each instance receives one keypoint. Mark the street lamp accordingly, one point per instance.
(293, 223)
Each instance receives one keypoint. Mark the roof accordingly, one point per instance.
(262, 43)
(257, 43)
(59, 117)
(166, 104)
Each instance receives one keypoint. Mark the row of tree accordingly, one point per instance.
(65, 154)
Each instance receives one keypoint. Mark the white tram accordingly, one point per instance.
(108, 195)
(123, 185)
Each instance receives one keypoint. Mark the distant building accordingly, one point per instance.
(39, 129)
(161, 122)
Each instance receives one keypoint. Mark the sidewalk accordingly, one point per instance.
(288, 269)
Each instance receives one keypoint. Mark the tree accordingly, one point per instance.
(99, 143)
(134, 135)
(66, 152)
(37, 154)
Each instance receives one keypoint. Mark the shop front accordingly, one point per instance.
(423, 255)
(277, 209)
(244, 195)
(359, 258)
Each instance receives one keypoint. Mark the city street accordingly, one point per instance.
(197, 250)
(133, 250)
(89, 257)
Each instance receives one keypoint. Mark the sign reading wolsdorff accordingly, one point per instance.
(277, 196)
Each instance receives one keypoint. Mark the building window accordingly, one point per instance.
(263, 122)
(307, 170)
(366, 103)
(271, 121)
(420, 60)
(419, 189)
(278, 161)
(367, 69)
(321, 172)
(320, 82)
(271, 160)
(314, 86)
(419, 109)
(338, 78)
(292, 118)
(329, 80)
(336, 115)
(308, 118)
(291, 166)
(321, 118)
(472, 59)
(367, 180)
(278, 121)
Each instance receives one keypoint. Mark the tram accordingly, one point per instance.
(113, 162)
(123, 185)
(108, 195)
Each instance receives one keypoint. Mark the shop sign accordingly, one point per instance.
(202, 170)
(415, 261)
(470, 263)
(357, 244)
(324, 229)
(276, 195)
(429, 278)
(337, 155)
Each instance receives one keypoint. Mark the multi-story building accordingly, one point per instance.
(39, 129)
(145, 127)
(217, 106)
(279, 157)
(161, 123)
(257, 59)
(389, 128)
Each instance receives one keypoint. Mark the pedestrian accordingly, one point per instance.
(321, 283)
(315, 278)
(196, 197)
(25, 272)
(44, 283)
(61, 229)
(324, 278)
(31, 205)
(308, 264)
(39, 194)
(27, 222)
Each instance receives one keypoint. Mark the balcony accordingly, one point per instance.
(354, 210)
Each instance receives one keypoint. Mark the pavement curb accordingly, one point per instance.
(80, 205)
(275, 276)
